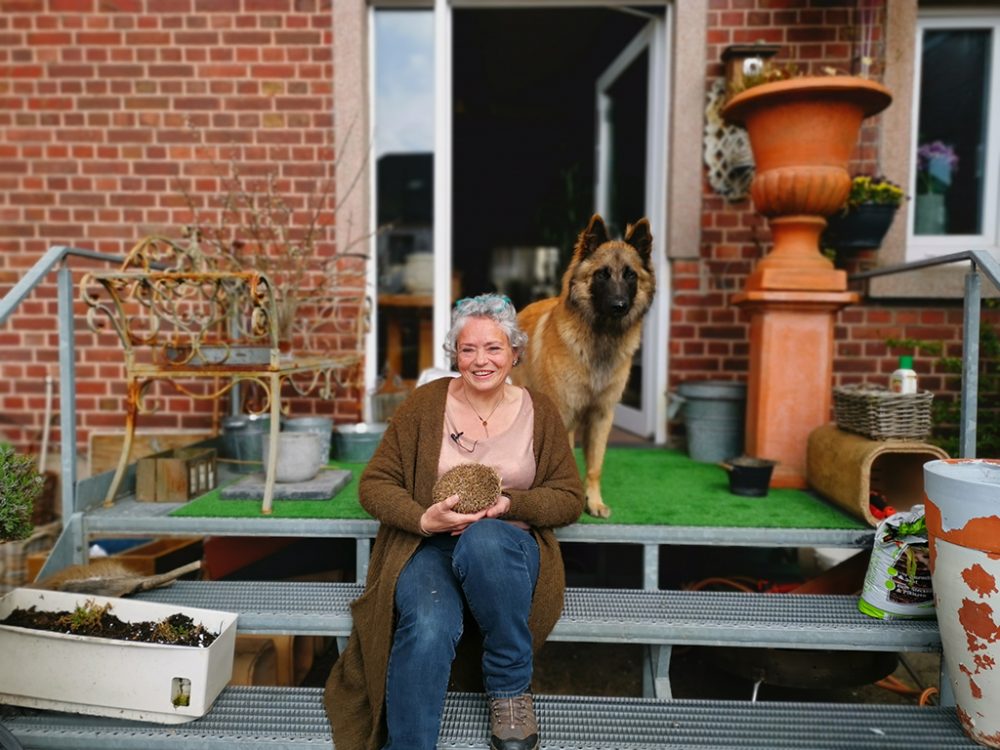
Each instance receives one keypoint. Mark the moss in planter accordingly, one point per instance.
(90, 619)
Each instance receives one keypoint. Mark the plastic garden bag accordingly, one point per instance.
(898, 582)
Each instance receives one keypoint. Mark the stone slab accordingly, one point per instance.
(323, 486)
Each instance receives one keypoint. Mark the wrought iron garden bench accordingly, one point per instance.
(204, 331)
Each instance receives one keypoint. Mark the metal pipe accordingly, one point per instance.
(970, 364)
(67, 391)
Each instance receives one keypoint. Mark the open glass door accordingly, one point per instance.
(629, 184)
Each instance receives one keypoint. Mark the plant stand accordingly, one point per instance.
(791, 368)
(802, 132)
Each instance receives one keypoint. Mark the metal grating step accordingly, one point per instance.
(707, 618)
(272, 718)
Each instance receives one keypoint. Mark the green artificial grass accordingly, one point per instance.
(343, 505)
(643, 486)
(654, 486)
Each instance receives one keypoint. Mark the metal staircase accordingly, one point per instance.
(294, 717)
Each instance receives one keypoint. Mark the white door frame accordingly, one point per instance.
(651, 419)
(655, 356)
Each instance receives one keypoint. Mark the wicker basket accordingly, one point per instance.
(880, 414)
(14, 555)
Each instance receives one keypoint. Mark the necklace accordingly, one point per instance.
(478, 415)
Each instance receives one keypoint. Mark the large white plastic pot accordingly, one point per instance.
(963, 523)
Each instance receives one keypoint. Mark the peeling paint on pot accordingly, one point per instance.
(963, 521)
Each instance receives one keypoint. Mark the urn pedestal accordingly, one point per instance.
(803, 132)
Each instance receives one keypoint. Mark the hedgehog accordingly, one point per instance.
(476, 485)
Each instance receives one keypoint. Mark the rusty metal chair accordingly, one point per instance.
(204, 331)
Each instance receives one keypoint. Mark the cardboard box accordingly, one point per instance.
(175, 476)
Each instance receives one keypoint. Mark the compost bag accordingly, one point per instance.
(898, 582)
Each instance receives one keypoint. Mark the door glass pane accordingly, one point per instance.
(404, 143)
(523, 159)
(627, 182)
(627, 114)
(952, 128)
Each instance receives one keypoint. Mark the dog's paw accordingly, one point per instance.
(599, 510)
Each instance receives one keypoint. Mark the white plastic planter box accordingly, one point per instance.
(123, 679)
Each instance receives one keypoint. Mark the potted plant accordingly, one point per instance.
(936, 164)
(20, 487)
(867, 215)
(149, 675)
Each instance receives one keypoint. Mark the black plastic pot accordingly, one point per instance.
(748, 476)
(862, 228)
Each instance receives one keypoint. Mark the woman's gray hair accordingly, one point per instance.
(496, 307)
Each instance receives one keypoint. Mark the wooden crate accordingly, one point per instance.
(162, 555)
(106, 447)
(175, 475)
(150, 558)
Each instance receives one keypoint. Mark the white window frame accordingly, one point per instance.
(919, 247)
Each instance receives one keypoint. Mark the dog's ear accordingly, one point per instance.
(639, 237)
(591, 238)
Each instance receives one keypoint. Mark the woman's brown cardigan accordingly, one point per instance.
(396, 488)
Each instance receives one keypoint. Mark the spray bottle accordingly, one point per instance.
(903, 379)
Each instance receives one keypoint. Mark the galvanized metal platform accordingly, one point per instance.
(706, 618)
(276, 718)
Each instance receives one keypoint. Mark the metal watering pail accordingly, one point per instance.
(322, 426)
(713, 417)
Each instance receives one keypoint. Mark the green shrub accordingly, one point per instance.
(20, 488)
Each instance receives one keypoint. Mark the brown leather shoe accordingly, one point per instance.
(513, 724)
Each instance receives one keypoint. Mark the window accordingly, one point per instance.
(956, 145)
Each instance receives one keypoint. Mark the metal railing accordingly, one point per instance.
(57, 256)
(981, 261)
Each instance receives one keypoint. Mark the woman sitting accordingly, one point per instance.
(430, 563)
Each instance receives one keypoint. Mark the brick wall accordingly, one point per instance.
(111, 110)
(708, 335)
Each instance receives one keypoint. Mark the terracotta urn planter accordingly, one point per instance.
(802, 134)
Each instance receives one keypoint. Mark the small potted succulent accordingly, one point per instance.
(867, 214)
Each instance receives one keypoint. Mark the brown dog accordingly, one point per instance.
(580, 344)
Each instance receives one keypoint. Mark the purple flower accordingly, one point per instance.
(936, 150)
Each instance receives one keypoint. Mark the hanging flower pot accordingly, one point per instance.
(864, 222)
(861, 228)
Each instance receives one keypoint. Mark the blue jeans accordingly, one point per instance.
(492, 566)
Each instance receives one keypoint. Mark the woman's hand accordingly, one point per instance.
(500, 508)
(439, 518)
